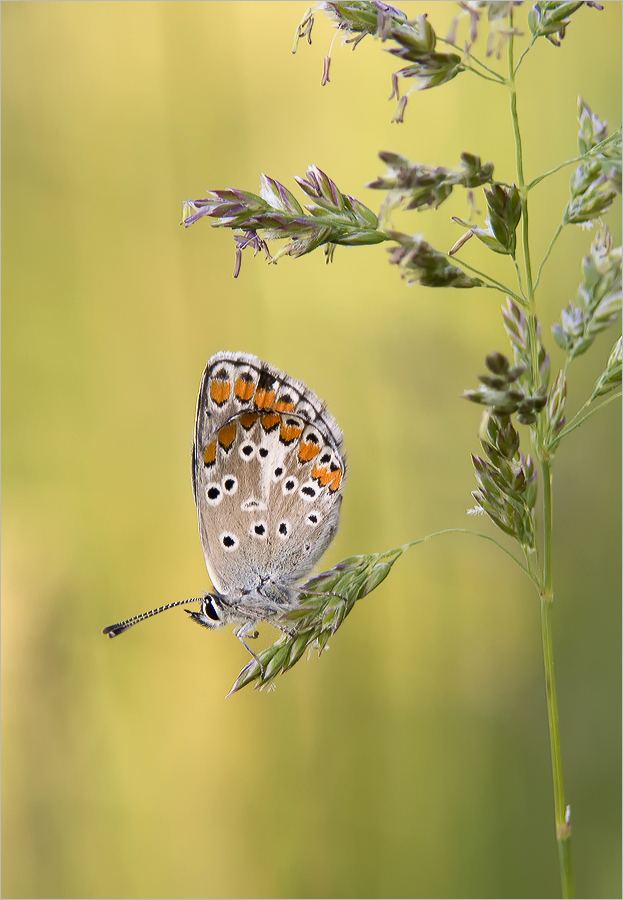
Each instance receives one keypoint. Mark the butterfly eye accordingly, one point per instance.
(211, 610)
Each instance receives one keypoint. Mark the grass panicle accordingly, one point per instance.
(598, 300)
(504, 393)
(420, 263)
(412, 40)
(417, 186)
(333, 218)
(597, 180)
(325, 602)
(520, 407)
(610, 378)
(550, 19)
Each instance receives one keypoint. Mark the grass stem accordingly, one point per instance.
(547, 253)
(562, 814)
(497, 77)
(491, 282)
(573, 424)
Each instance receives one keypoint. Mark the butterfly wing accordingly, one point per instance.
(268, 472)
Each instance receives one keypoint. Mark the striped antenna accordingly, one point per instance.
(120, 627)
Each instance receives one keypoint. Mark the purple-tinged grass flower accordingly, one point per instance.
(502, 391)
(550, 19)
(498, 234)
(598, 300)
(497, 15)
(507, 480)
(415, 41)
(422, 264)
(555, 407)
(419, 186)
(610, 378)
(333, 218)
(428, 70)
(597, 181)
(517, 328)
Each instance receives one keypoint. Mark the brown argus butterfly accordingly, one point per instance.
(268, 470)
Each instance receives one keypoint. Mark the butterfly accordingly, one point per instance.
(268, 471)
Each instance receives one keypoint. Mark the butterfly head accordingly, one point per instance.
(211, 614)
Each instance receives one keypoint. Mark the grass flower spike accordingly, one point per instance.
(334, 218)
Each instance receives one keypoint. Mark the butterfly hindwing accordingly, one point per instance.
(268, 471)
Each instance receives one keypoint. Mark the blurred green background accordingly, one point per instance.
(412, 760)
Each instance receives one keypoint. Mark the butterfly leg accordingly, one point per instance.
(241, 632)
(276, 623)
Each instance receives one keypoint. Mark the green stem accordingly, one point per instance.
(553, 171)
(533, 567)
(562, 812)
(573, 424)
(491, 281)
(498, 77)
(518, 271)
(563, 828)
(569, 162)
(529, 47)
(485, 537)
(534, 353)
(547, 253)
(482, 75)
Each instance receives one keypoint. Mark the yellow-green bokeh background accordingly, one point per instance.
(412, 760)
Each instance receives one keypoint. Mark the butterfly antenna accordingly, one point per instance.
(120, 627)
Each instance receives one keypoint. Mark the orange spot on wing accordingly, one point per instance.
(331, 478)
(308, 450)
(220, 391)
(336, 480)
(244, 389)
(264, 399)
(209, 454)
(248, 420)
(227, 435)
(270, 421)
(290, 432)
(283, 406)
